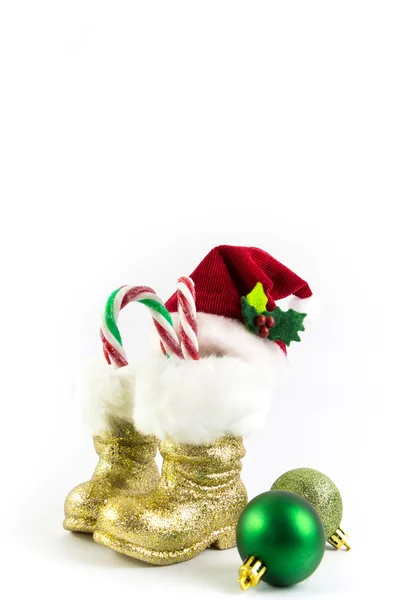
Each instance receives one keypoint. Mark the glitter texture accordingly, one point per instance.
(126, 465)
(319, 490)
(196, 504)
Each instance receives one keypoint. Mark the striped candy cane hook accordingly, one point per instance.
(110, 334)
(187, 318)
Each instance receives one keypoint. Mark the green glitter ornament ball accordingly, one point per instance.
(319, 490)
(283, 532)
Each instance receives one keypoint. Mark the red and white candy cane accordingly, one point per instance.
(187, 318)
(110, 335)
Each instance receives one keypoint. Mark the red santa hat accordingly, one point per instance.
(227, 391)
(222, 279)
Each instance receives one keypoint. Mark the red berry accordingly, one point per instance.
(270, 322)
(264, 332)
(260, 320)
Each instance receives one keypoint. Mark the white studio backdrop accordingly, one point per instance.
(135, 136)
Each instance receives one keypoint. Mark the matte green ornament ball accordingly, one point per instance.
(285, 533)
(319, 490)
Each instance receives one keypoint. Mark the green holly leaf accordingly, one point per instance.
(257, 298)
(287, 325)
(249, 314)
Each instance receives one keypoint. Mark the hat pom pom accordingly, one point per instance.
(310, 306)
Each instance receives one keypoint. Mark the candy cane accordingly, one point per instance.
(110, 335)
(187, 317)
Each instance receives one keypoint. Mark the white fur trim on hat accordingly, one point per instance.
(104, 391)
(309, 305)
(221, 336)
(196, 402)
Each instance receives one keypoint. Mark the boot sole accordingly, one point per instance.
(79, 525)
(222, 540)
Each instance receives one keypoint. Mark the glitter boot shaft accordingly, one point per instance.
(126, 466)
(196, 504)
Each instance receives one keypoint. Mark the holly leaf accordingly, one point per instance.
(287, 325)
(257, 298)
(249, 313)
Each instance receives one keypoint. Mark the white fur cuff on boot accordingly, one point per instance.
(103, 392)
(197, 402)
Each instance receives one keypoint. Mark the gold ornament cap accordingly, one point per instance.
(339, 539)
(250, 573)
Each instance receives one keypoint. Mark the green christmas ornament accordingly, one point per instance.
(325, 497)
(280, 538)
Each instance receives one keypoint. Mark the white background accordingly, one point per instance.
(135, 136)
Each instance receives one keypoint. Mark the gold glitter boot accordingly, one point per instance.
(126, 465)
(196, 504)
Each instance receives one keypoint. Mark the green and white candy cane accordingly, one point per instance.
(110, 335)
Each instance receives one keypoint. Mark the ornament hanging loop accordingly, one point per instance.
(251, 572)
(339, 539)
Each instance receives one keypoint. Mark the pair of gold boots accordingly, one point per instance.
(130, 508)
